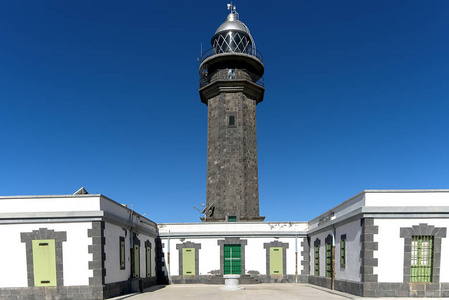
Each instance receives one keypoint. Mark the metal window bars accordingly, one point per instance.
(421, 269)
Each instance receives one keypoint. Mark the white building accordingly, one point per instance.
(377, 243)
(74, 247)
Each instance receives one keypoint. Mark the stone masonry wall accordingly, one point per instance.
(232, 175)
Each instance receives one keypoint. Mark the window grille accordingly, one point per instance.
(328, 260)
(317, 260)
(122, 253)
(343, 253)
(421, 258)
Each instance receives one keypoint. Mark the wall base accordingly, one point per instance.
(384, 289)
(74, 292)
(52, 292)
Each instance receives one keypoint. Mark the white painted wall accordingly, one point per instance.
(238, 227)
(112, 234)
(75, 253)
(322, 236)
(112, 249)
(390, 253)
(424, 198)
(341, 210)
(353, 247)
(34, 204)
(209, 254)
(143, 260)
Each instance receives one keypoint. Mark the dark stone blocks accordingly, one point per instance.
(232, 170)
(320, 281)
(54, 293)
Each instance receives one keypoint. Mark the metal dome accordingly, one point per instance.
(233, 23)
(233, 36)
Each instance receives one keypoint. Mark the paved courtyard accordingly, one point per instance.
(273, 291)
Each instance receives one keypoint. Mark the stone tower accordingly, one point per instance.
(231, 85)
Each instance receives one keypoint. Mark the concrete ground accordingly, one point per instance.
(268, 291)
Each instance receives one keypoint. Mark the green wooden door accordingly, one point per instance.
(188, 261)
(276, 262)
(44, 262)
(136, 261)
(232, 259)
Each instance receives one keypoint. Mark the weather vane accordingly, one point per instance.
(232, 8)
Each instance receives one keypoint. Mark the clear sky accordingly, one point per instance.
(104, 94)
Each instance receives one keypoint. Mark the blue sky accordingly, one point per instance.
(104, 94)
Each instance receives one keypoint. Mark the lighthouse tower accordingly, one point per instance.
(231, 85)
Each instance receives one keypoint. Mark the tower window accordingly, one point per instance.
(232, 219)
(232, 119)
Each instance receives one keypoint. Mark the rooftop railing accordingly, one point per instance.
(231, 74)
(248, 51)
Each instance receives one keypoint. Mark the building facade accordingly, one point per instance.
(74, 247)
(378, 243)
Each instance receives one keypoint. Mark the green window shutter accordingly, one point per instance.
(232, 259)
(343, 253)
(44, 262)
(232, 219)
(148, 258)
(136, 261)
(276, 261)
(122, 253)
(421, 259)
(328, 260)
(317, 260)
(188, 261)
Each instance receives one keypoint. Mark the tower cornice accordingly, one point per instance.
(250, 89)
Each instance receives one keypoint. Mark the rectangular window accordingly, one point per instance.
(343, 253)
(232, 219)
(421, 258)
(148, 257)
(122, 253)
(329, 260)
(231, 121)
(317, 260)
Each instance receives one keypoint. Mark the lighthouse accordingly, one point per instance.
(231, 85)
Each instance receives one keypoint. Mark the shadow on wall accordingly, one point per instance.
(147, 290)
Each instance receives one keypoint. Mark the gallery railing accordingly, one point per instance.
(248, 51)
(230, 74)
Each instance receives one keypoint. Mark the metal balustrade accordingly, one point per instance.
(230, 74)
(251, 51)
